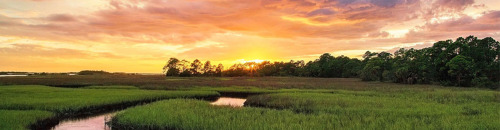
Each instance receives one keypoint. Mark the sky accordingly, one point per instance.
(141, 35)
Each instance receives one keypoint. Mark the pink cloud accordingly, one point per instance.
(282, 28)
(192, 21)
(61, 18)
(29, 50)
(464, 26)
(455, 5)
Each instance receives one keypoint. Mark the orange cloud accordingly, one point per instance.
(145, 33)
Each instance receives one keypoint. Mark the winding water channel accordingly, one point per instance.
(229, 101)
(98, 122)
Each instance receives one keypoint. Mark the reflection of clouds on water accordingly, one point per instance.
(92, 123)
(229, 101)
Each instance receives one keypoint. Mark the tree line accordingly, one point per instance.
(184, 68)
(464, 62)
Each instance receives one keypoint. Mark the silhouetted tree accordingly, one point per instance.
(219, 69)
(207, 69)
(185, 71)
(171, 69)
(196, 67)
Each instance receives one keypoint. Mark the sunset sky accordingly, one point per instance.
(141, 35)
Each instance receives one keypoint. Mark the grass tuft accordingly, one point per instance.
(111, 87)
(21, 119)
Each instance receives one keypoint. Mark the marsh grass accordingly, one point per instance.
(111, 87)
(251, 79)
(175, 79)
(439, 109)
(435, 110)
(159, 82)
(67, 102)
(194, 114)
(224, 79)
(20, 119)
(249, 90)
(287, 103)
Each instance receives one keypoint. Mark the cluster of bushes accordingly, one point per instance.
(99, 72)
(93, 72)
(464, 62)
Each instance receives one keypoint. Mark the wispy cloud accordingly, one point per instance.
(226, 30)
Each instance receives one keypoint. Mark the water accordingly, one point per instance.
(12, 75)
(229, 101)
(98, 122)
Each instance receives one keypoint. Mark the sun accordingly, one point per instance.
(255, 61)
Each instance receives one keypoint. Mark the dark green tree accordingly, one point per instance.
(461, 67)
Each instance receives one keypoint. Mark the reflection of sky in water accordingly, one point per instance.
(92, 123)
(12, 75)
(228, 101)
(99, 122)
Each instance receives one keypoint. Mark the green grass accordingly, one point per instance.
(159, 82)
(19, 119)
(409, 110)
(289, 103)
(224, 79)
(175, 79)
(111, 87)
(194, 114)
(251, 79)
(70, 100)
(437, 109)
(36, 101)
(254, 90)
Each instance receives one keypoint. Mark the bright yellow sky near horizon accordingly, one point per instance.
(140, 36)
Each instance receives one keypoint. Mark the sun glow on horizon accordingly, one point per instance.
(250, 61)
